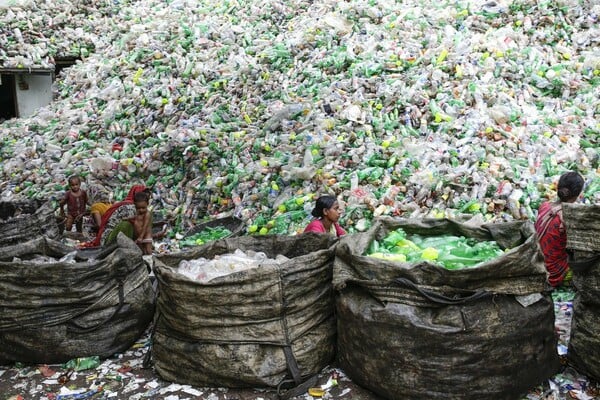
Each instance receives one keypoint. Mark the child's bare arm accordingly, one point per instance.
(61, 205)
(147, 226)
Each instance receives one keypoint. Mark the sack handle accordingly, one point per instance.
(83, 329)
(298, 390)
(440, 298)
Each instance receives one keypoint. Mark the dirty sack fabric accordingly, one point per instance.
(584, 343)
(21, 221)
(581, 222)
(260, 327)
(581, 225)
(420, 331)
(52, 311)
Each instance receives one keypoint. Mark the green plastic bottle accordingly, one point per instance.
(82, 363)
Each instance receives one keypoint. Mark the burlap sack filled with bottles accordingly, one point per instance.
(246, 323)
(57, 304)
(23, 220)
(437, 309)
(583, 239)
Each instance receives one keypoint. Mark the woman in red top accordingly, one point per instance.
(327, 212)
(551, 231)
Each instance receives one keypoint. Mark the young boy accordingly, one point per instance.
(142, 222)
(76, 201)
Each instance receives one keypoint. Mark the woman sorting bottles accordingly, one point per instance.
(327, 213)
(551, 232)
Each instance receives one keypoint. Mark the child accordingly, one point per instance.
(100, 204)
(551, 231)
(142, 222)
(97, 210)
(76, 201)
(327, 212)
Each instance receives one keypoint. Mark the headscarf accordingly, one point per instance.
(116, 213)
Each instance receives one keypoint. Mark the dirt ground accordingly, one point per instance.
(123, 377)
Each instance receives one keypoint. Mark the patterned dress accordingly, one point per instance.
(552, 237)
(76, 205)
(124, 212)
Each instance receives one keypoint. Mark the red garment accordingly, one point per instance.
(553, 242)
(76, 205)
(106, 217)
(316, 225)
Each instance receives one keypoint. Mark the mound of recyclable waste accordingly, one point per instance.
(415, 108)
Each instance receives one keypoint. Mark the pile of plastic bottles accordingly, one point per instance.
(204, 270)
(419, 109)
(451, 252)
(204, 236)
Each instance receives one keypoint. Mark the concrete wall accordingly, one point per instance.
(38, 94)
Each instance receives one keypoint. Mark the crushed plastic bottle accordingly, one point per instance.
(69, 258)
(82, 363)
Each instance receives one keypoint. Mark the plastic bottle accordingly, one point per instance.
(354, 180)
(83, 363)
(69, 258)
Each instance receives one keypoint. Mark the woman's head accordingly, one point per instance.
(327, 207)
(570, 186)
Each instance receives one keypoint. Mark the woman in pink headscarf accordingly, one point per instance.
(113, 218)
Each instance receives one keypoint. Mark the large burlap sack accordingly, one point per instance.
(420, 331)
(52, 311)
(21, 221)
(582, 224)
(258, 327)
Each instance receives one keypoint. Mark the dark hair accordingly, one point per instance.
(570, 186)
(323, 203)
(74, 178)
(141, 196)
